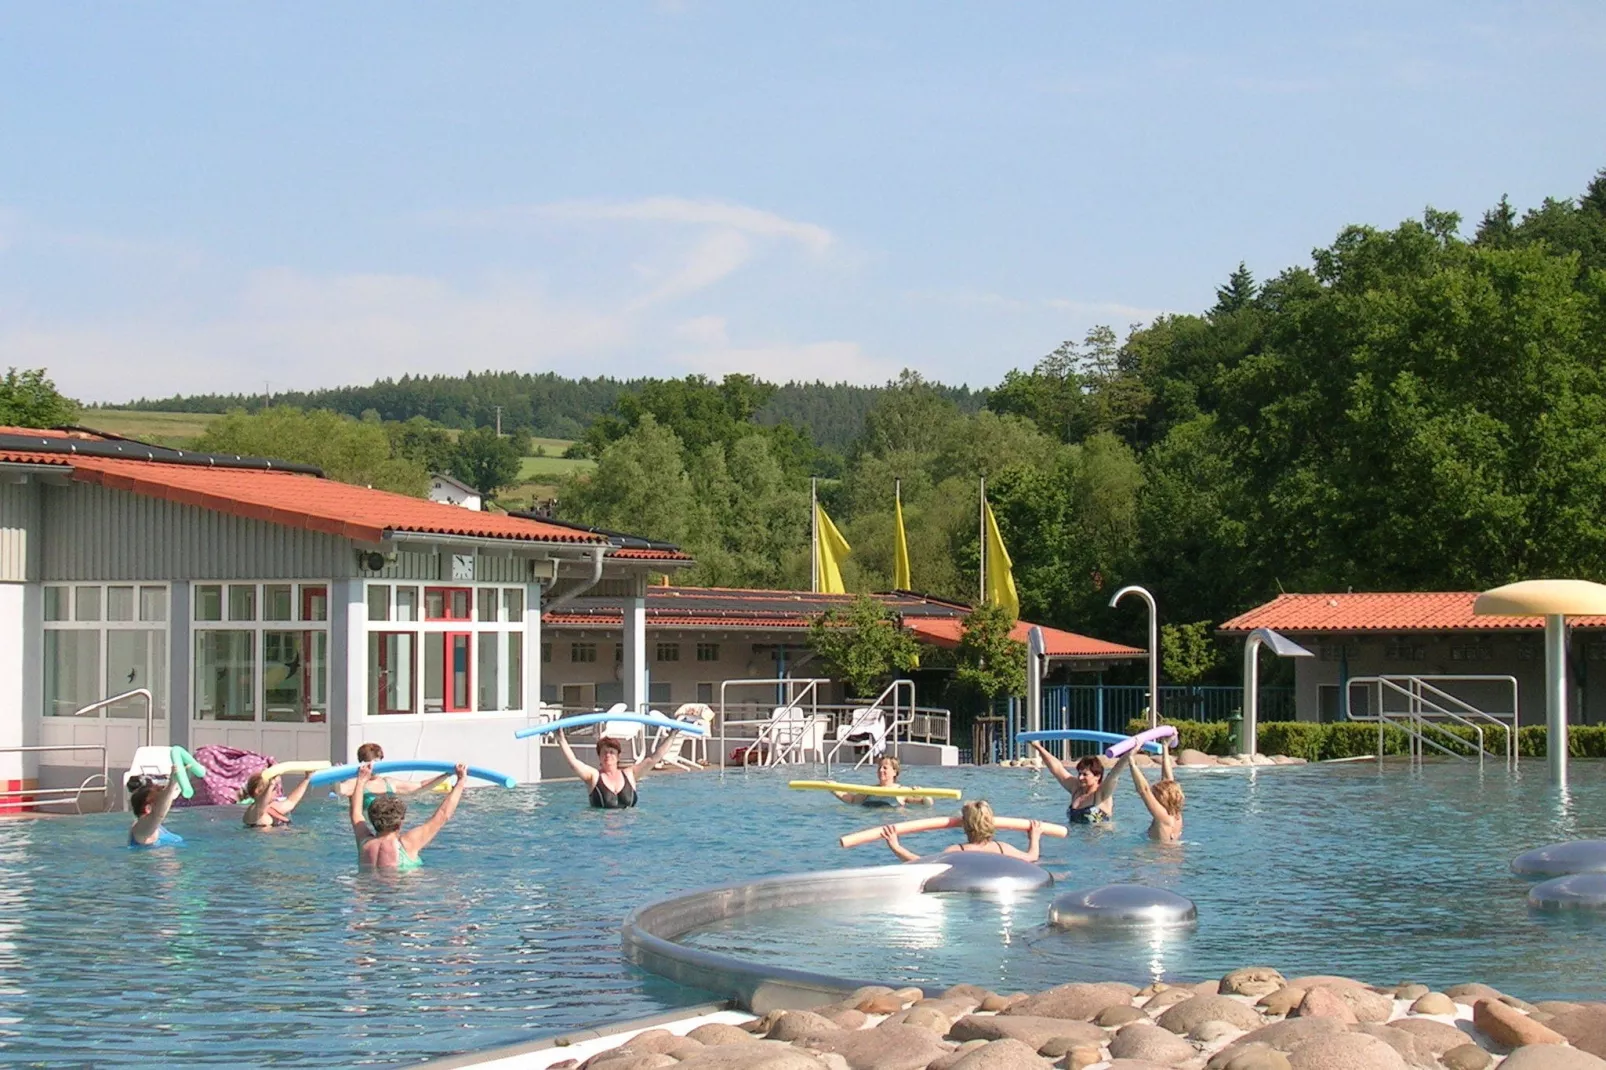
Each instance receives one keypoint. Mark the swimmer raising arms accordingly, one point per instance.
(977, 817)
(268, 809)
(886, 774)
(610, 787)
(1092, 787)
(149, 800)
(1164, 800)
(382, 785)
(385, 845)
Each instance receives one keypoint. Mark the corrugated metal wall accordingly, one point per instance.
(412, 565)
(96, 533)
(19, 526)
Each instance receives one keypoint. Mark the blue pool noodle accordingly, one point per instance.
(1081, 735)
(407, 765)
(584, 719)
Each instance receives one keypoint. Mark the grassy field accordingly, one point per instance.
(163, 428)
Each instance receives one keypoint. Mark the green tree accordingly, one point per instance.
(988, 661)
(1187, 651)
(345, 448)
(864, 646)
(1237, 294)
(486, 461)
(29, 399)
(639, 485)
(426, 444)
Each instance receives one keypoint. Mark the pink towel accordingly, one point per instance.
(227, 770)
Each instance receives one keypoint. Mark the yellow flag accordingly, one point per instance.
(830, 548)
(900, 552)
(1000, 578)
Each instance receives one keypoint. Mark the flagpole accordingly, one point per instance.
(897, 497)
(981, 556)
(814, 538)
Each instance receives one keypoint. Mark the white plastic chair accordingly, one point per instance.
(866, 727)
(694, 713)
(149, 761)
(792, 735)
(625, 732)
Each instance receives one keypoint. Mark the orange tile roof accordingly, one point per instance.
(946, 631)
(633, 553)
(298, 501)
(1420, 611)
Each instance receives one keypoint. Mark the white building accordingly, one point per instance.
(448, 491)
(268, 608)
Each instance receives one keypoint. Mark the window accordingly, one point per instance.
(582, 652)
(668, 652)
(445, 649)
(705, 694)
(707, 651)
(546, 653)
(262, 652)
(101, 641)
(658, 693)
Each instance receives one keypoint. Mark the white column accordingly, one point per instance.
(1247, 741)
(635, 660)
(348, 667)
(532, 647)
(1556, 696)
(15, 669)
(180, 671)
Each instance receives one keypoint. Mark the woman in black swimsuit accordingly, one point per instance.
(609, 786)
(977, 819)
(1092, 788)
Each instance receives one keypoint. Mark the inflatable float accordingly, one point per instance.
(1083, 735)
(407, 765)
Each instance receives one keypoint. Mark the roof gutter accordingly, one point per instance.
(398, 538)
(597, 554)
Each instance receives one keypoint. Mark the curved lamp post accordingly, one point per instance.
(1283, 647)
(1555, 600)
(1154, 646)
(1034, 678)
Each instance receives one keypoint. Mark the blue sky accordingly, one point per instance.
(200, 197)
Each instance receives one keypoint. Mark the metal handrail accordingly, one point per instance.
(72, 795)
(905, 719)
(1423, 712)
(138, 692)
(794, 690)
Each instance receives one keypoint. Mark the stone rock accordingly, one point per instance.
(1081, 1058)
(1346, 1051)
(945, 1062)
(1206, 988)
(972, 993)
(881, 1003)
(1282, 1001)
(1135, 1064)
(682, 1048)
(845, 1017)
(793, 1026)
(1213, 1032)
(1189, 756)
(993, 1003)
(1251, 981)
(1151, 989)
(758, 1055)
(1143, 1041)
(762, 1025)
(886, 1047)
(1521, 1004)
(1466, 1057)
(1026, 1028)
(1467, 993)
(1058, 1046)
(1584, 1028)
(1400, 1041)
(1433, 1003)
(1330, 980)
(1432, 1037)
(1170, 997)
(925, 1017)
(1363, 1003)
(629, 1059)
(1324, 1002)
(997, 1055)
(1184, 1016)
(713, 1034)
(1077, 1001)
(1290, 1033)
(1550, 1057)
(1117, 1016)
(859, 995)
(1557, 1006)
(1509, 1027)
(1411, 991)
(1250, 1057)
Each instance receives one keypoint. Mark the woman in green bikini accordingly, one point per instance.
(385, 845)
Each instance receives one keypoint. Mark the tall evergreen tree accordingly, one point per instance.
(1237, 294)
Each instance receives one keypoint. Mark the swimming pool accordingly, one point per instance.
(251, 948)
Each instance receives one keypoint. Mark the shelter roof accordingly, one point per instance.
(1382, 611)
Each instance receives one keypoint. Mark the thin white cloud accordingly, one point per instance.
(704, 330)
(682, 211)
(716, 257)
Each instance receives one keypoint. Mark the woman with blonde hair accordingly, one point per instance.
(977, 818)
(1164, 800)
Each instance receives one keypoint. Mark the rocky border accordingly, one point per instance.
(1251, 1019)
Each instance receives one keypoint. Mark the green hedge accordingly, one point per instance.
(1348, 739)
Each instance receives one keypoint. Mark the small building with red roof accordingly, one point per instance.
(1430, 635)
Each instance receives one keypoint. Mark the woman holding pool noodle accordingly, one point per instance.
(609, 787)
(1091, 787)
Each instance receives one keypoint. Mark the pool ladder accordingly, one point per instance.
(1426, 705)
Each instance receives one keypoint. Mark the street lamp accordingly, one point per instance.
(1154, 646)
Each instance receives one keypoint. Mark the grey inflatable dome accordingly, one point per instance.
(976, 871)
(1576, 891)
(1122, 906)
(1561, 859)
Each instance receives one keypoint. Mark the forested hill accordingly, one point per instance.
(548, 405)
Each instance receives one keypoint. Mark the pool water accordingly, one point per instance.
(268, 947)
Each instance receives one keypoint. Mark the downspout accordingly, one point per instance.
(568, 596)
